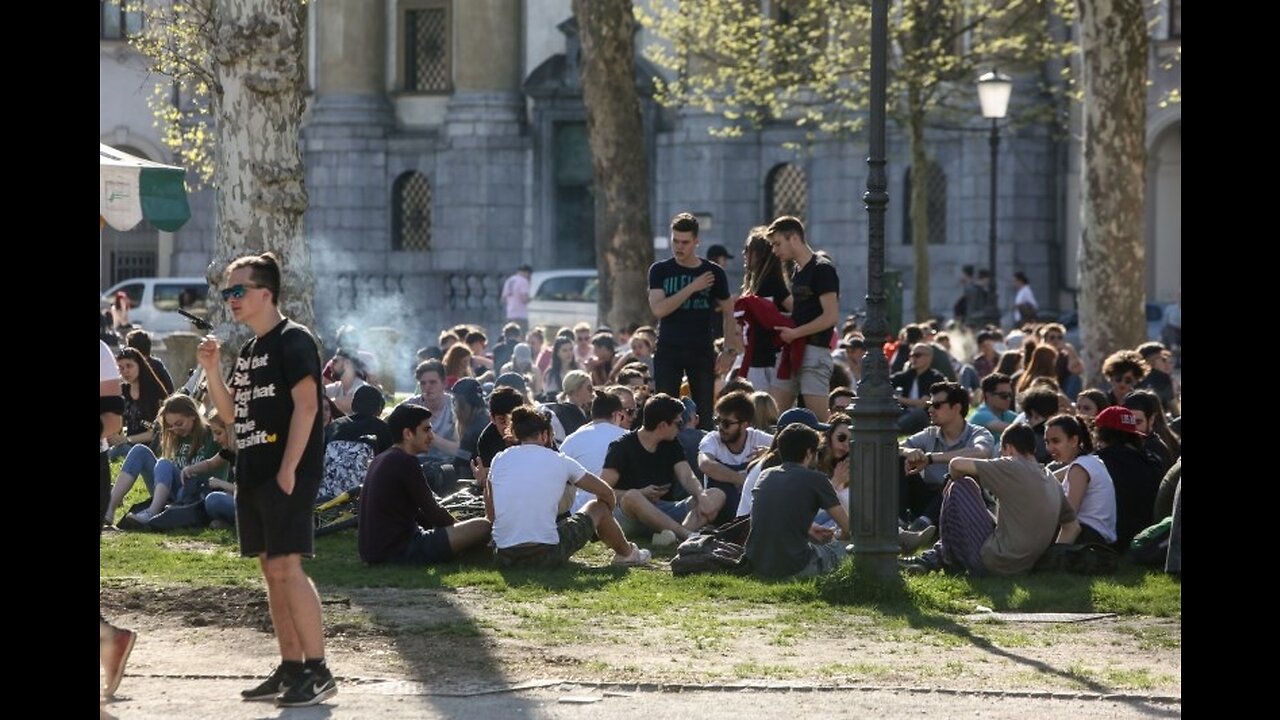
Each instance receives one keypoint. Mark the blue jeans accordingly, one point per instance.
(220, 506)
(141, 462)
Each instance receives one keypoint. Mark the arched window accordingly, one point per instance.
(935, 208)
(411, 212)
(786, 192)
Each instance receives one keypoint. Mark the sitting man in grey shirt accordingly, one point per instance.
(784, 540)
(926, 455)
(1032, 513)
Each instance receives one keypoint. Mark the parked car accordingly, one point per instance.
(1155, 324)
(154, 302)
(563, 298)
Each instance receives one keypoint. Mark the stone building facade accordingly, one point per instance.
(445, 144)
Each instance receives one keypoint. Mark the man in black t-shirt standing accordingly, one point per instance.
(274, 402)
(684, 292)
(814, 305)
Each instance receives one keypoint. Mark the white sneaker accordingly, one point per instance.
(666, 538)
(638, 556)
(143, 516)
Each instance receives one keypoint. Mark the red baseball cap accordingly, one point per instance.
(1118, 418)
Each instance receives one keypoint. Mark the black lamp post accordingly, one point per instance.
(874, 498)
(994, 89)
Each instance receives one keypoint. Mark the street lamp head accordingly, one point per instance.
(994, 89)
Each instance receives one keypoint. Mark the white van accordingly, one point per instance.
(563, 298)
(154, 302)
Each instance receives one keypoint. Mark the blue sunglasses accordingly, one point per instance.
(237, 291)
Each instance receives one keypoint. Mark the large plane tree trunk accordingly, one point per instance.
(257, 102)
(615, 131)
(1113, 39)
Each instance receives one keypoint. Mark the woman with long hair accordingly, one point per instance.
(143, 394)
(1084, 478)
(766, 410)
(562, 363)
(833, 461)
(184, 440)
(1010, 362)
(762, 277)
(1043, 363)
(1147, 407)
(457, 364)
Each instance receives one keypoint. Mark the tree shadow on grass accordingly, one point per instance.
(924, 606)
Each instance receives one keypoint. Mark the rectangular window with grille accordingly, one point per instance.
(427, 52)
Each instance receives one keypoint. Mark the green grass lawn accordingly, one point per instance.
(210, 558)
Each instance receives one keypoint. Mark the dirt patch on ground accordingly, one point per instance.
(469, 638)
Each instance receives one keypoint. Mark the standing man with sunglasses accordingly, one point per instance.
(925, 457)
(995, 413)
(723, 455)
(274, 402)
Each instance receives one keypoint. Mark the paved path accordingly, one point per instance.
(150, 697)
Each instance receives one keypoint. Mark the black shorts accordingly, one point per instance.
(268, 521)
(426, 548)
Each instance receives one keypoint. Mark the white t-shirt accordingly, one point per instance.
(528, 482)
(334, 391)
(107, 370)
(753, 476)
(588, 445)
(1024, 295)
(1098, 507)
(714, 448)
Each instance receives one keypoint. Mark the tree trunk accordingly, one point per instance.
(620, 175)
(257, 104)
(1113, 39)
(919, 206)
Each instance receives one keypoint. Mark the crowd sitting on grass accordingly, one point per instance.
(568, 442)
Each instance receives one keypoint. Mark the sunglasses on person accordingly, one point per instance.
(629, 411)
(236, 292)
(1006, 395)
(935, 404)
(920, 354)
(727, 423)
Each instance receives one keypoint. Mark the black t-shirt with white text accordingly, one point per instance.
(261, 387)
(638, 468)
(809, 283)
(689, 326)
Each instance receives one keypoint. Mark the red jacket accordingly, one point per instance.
(760, 314)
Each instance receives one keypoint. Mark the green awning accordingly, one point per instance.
(134, 190)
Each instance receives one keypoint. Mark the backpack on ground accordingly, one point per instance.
(718, 549)
(1082, 559)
